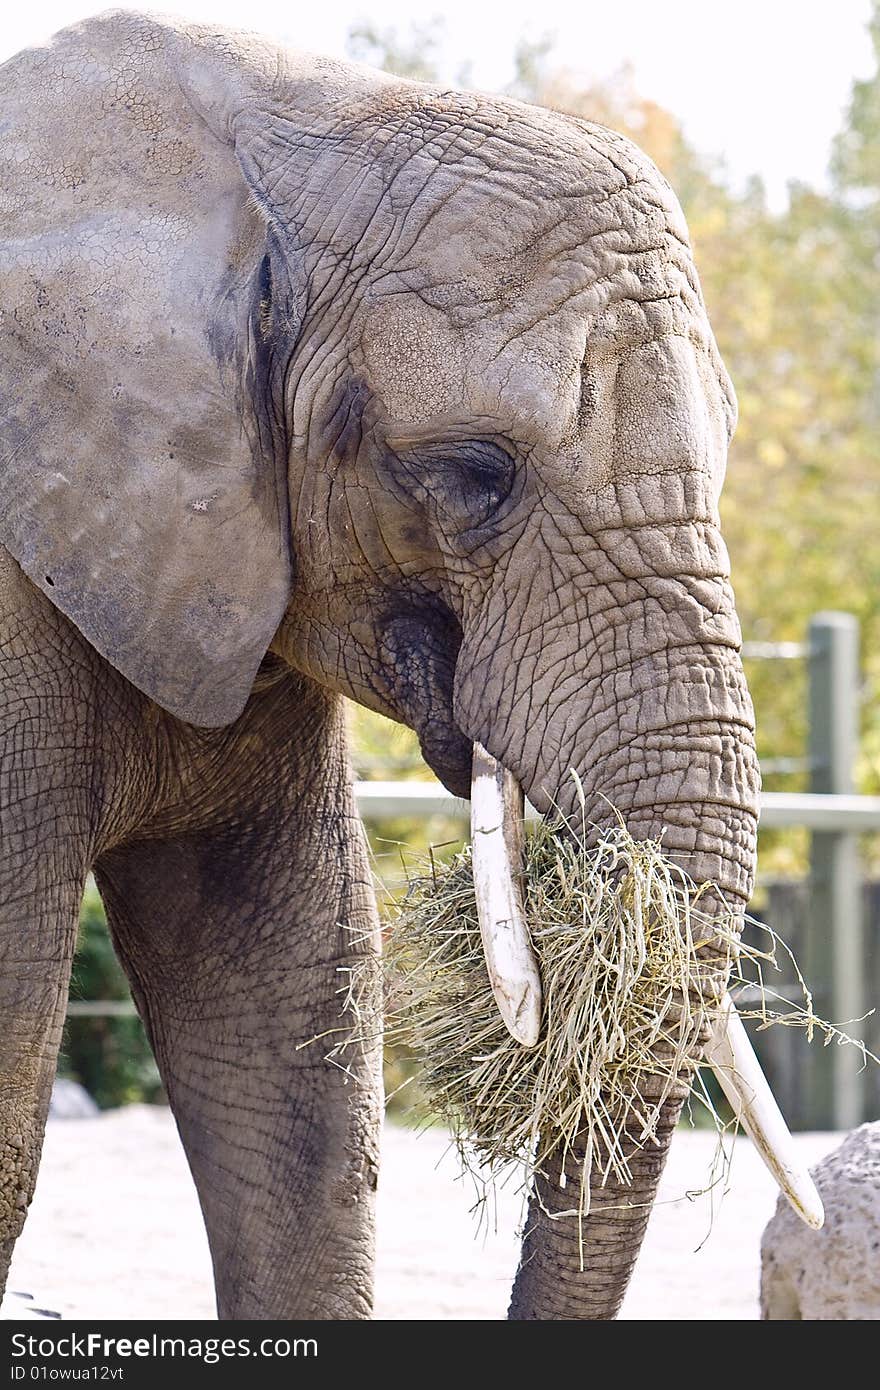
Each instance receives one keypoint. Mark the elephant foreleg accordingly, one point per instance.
(237, 941)
(37, 937)
(48, 822)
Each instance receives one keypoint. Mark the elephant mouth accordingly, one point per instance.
(419, 649)
(496, 828)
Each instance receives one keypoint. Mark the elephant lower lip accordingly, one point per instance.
(448, 754)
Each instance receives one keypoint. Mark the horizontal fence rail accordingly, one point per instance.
(788, 910)
(100, 1008)
(815, 810)
(775, 651)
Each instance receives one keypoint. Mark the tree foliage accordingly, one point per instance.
(109, 1056)
(414, 56)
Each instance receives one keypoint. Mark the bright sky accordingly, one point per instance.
(761, 82)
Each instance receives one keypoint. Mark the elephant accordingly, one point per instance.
(317, 384)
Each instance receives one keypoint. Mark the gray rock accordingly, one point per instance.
(832, 1274)
(70, 1101)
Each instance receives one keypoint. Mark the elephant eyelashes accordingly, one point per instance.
(265, 295)
(464, 484)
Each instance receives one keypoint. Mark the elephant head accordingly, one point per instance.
(415, 388)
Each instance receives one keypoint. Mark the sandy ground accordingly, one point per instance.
(115, 1230)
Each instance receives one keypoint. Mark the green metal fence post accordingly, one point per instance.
(834, 959)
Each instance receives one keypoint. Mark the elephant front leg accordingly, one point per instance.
(37, 937)
(50, 816)
(238, 942)
(44, 837)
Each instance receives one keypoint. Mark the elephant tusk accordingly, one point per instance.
(496, 833)
(732, 1058)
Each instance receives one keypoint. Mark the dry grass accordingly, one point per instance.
(633, 972)
(616, 932)
(629, 1000)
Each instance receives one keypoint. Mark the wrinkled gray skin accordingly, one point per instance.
(319, 383)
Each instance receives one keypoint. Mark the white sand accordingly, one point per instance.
(115, 1230)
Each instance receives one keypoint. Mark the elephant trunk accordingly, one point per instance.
(637, 685)
(698, 791)
(579, 1269)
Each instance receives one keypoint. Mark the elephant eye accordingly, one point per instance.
(484, 476)
(463, 483)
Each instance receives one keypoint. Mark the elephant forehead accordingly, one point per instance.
(512, 260)
(658, 409)
(495, 307)
(608, 386)
(425, 370)
(416, 360)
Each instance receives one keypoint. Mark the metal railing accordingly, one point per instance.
(816, 811)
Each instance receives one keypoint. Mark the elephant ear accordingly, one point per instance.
(141, 486)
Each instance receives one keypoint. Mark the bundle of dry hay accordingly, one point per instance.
(615, 932)
(628, 995)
